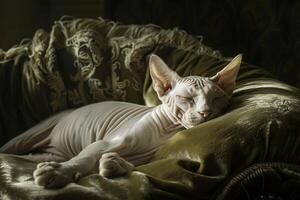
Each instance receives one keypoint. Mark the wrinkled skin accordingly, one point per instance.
(113, 137)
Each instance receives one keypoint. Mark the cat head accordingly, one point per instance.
(194, 99)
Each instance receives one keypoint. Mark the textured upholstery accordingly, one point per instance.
(82, 61)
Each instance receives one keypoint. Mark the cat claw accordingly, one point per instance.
(52, 175)
(113, 165)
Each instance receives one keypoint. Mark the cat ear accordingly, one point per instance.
(163, 77)
(226, 78)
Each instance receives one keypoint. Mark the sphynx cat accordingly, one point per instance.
(113, 137)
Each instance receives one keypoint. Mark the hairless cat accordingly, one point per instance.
(112, 137)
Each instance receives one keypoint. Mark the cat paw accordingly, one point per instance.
(52, 175)
(112, 165)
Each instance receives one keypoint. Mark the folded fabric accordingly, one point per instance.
(82, 61)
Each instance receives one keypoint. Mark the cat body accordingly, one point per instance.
(112, 121)
(113, 137)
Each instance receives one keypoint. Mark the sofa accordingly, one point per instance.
(251, 151)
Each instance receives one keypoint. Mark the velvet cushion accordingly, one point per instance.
(82, 61)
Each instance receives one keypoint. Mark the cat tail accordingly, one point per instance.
(35, 137)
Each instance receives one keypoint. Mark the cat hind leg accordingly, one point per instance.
(34, 138)
(113, 165)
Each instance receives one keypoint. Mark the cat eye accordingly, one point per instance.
(185, 99)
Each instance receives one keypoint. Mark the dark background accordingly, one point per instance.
(267, 32)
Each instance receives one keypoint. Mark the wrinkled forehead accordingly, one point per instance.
(195, 86)
(195, 82)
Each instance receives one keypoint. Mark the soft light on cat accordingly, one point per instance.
(112, 137)
(194, 99)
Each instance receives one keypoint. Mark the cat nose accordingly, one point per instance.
(205, 113)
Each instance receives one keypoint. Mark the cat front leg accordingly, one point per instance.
(56, 175)
(113, 165)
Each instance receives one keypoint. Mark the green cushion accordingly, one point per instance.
(85, 60)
